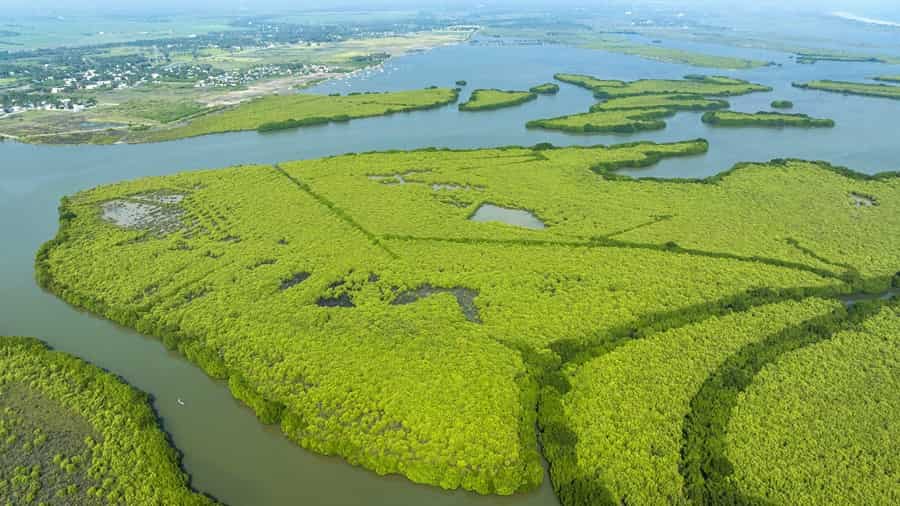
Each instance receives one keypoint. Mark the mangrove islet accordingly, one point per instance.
(262, 251)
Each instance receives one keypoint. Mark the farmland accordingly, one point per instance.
(74, 434)
(354, 302)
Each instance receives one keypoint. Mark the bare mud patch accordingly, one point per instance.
(860, 200)
(465, 297)
(158, 212)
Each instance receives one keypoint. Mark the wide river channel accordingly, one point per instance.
(227, 452)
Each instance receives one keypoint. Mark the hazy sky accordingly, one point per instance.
(232, 6)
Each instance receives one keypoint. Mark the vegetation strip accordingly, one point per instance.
(848, 88)
(487, 100)
(764, 119)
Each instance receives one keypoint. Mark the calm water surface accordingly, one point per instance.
(228, 453)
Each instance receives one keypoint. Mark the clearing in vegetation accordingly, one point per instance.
(380, 323)
(847, 88)
(71, 433)
(764, 119)
(487, 100)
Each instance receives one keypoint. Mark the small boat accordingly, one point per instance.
(180, 402)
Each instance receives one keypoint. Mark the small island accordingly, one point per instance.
(75, 434)
(545, 89)
(849, 88)
(617, 121)
(490, 99)
(692, 84)
(764, 119)
(462, 82)
(782, 104)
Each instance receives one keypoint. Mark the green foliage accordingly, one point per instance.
(705, 466)
(417, 386)
(888, 79)
(670, 102)
(847, 88)
(765, 119)
(690, 85)
(545, 89)
(290, 111)
(74, 434)
(828, 416)
(639, 105)
(629, 114)
(487, 100)
(624, 121)
(782, 104)
(626, 407)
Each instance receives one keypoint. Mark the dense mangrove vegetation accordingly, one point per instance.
(691, 85)
(888, 79)
(71, 433)
(377, 321)
(782, 104)
(848, 88)
(545, 89)
(278, 112)
(837, 398)
(642, 105)
(487, 100)
(764, 119)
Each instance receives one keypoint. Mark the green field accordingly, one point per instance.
(71, 433)
(356, 309)
(870, 90)
(487, 100)
(289, 111)
(764, 119)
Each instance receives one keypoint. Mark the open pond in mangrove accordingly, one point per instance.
(514, 217)
(227, 452)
